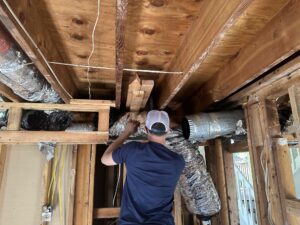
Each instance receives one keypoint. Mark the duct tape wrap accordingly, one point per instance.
(25, 80)
(206, 126)
(196, 185)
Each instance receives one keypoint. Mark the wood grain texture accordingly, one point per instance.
(120, 46)
(221, 182)
(23, 137)
(84, 200)
(232, 198)
(206, 32)
(106, 213)
(255, 58)
(262, 125)
(9, 94)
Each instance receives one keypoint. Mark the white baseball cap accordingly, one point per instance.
(158, 122)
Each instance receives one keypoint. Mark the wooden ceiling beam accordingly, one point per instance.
(9, 94)
(279, 39)
(24, 22)
(215, 20)
(120, 45)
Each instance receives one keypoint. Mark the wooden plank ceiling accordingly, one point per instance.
(196, 37)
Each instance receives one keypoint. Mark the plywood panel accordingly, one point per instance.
(20, 195)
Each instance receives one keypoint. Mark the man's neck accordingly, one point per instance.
(157, 139)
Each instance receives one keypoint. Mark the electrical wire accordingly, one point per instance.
(113, 68)
(61, 168)
(93, 49)
(117, 185)
(52, 185)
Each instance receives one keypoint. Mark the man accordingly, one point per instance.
(152, 172)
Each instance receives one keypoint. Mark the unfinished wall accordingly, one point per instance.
(20, 195)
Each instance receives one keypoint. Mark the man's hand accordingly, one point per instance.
(131, 127)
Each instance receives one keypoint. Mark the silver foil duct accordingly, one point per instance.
(196, 185)
(24, 79)
(206, 126)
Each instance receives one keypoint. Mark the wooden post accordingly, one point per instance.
(221, 182)
(84, 193)
(103, 122)
(177, 207)
(283, 161)
(233, 209)
(262, 125)
(294, 94)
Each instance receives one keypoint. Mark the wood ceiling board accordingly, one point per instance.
(278, 40)
(216, 18)
(154, 29)
(251, 22)
(73, 23)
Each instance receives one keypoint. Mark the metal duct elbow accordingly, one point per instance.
(206, 126)
(24, 79)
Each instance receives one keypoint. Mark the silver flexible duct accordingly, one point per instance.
(24, 79)
(206, 126)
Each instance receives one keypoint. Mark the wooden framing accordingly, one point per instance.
(221, 182)
(9, 94)
(262, 125)
(138, 94)
(39, 54)
(120, 46)
(255, 58)
(84, 192)
(177, 207)
(195, 48)
(14, 136)
(106, 213)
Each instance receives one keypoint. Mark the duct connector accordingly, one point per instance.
(206, 126)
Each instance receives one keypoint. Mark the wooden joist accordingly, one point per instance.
(282, 38)
(214, 21)
(120, 46)
(106, 213)
(273, 85)
(37, 43)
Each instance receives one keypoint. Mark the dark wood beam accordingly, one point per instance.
(24, 22)
(215, 20)
(278, 40)
(120, 45)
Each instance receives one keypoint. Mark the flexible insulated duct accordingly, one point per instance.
(3, 116)
(206, 126)
(25, 80)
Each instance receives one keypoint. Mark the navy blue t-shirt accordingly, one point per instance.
(152, 174)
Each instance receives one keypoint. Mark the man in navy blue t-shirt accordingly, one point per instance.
(152, 172)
